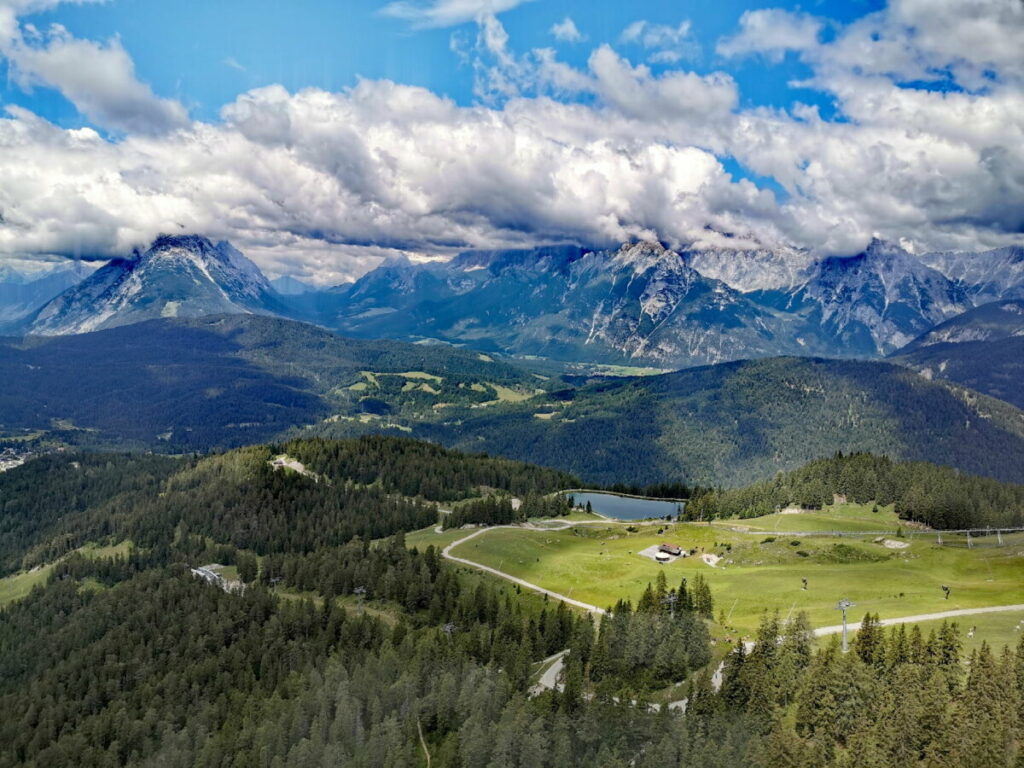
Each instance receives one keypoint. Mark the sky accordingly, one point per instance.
(323, 136)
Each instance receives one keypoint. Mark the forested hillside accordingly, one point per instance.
(994, 367)
(346, 647)
(940, 497)
(740, 422)
(982, 349)
(132, 660)
(369, 487)
(223, 381)
(41, 504)
(220, 382)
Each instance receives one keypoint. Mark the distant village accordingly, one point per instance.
(13, 457)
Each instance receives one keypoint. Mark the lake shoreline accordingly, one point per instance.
(625, 507)
(623, 495)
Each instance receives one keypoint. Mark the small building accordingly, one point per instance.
(670, 549)
(662, 557)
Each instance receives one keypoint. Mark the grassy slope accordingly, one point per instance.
(18, 585)
(996, 629)
(599, 566)
(842, 517)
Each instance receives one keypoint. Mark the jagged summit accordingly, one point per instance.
(995, 275)
(178, 276)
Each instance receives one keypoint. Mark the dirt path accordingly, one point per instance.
(854, 626)
(549, 679)
(447, 554)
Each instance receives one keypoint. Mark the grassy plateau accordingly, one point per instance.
(760, 571)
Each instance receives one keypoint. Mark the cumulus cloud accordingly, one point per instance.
(380, 165)
(566, 31)
(666, 44)
(446, 13)
(773, 32)
(907, 160)
(318, 183)
(674, 96)
(99, 79)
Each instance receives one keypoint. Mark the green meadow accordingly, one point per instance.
(760, 571)
(840, 517)
(996, 629)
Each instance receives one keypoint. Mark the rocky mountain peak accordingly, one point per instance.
(177, 276)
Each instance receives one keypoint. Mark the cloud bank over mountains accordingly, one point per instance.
(927, 145)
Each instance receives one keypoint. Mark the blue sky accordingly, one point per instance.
(205, 53)
(322, 137)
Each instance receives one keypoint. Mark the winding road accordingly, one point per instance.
(447, 554)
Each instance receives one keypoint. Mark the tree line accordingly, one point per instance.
(940, 497)
(500, 510)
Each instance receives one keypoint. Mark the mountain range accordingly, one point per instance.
(23, 293)
(639, 304)
(645, 304)
(486, 351)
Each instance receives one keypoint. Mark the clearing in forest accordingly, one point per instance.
(599, 564)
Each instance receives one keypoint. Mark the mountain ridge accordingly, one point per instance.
(642, 303)
(645, 303)
(181, 385)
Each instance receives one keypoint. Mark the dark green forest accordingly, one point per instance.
(993, 367)
(499, 510)
(369, 487)
(341, 645)
(219, 382)
(939, 497)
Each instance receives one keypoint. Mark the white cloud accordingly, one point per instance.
(773, 32)
(99, 79)
(379, 165)
(566, 31)
(667, 44)
(674, 96)
(446, 13)
(319, 183)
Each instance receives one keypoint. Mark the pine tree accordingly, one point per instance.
(572, 687)
(648, 602)
(661, 590)
(702, 600)
(869, 642)
(734, 691)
